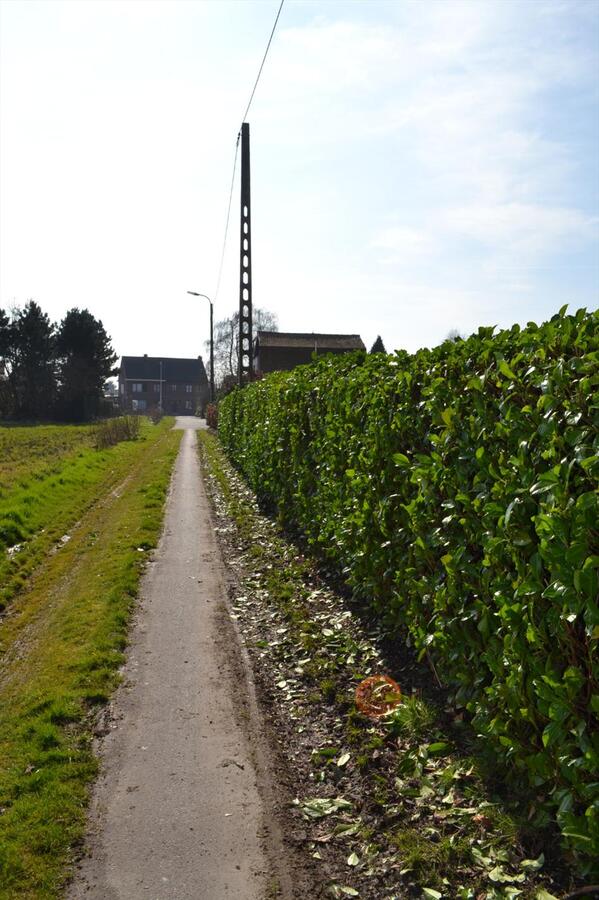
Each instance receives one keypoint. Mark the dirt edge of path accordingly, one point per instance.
(291, 877)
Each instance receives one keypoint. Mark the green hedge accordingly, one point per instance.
(456, 490)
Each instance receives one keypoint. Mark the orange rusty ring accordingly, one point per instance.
(377, 695)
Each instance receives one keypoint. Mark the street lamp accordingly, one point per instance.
(195, 294)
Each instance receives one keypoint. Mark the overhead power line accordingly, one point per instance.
(222, 256)
(262, 63)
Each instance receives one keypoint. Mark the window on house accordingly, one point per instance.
(141, 404)
(188, 388)
(173, 387)
(188, 404)
(157, 387)
(137, 387)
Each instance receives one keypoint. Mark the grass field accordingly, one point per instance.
(49, 475)
(33, 452)
(63, 635)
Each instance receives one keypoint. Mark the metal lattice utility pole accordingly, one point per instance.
(245, 267)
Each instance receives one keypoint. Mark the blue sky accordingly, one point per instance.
(416, 166)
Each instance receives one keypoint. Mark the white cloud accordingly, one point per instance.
(478, 186)
(402, 243)
(455, 88)
(519, 228)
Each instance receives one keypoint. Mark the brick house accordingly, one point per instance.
(180, 386)
(281, 350)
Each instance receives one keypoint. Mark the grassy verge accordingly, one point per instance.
(403, 807)
(63, 644)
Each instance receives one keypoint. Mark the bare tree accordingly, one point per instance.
(226, 342)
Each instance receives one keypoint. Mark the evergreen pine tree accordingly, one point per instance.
(27, 359)
(85, 359)
(378, 346)
(5, 338)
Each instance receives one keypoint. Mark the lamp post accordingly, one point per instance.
(195, 294)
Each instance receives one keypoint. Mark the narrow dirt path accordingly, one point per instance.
(176, 812)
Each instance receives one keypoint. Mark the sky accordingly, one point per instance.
(417, 167)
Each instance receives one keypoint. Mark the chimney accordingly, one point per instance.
(145, 355)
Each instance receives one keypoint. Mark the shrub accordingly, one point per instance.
(113, 431)
(456, 490)
(212, 415)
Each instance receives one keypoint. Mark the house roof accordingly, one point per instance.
(148, 367)
(309, 340)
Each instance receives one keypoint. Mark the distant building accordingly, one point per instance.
(281, 350)
(110, 396)
(178, 386)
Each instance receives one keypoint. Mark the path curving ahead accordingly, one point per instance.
(176, 813)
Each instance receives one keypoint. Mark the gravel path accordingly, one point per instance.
(176, 812)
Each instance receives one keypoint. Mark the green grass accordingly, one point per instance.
(455, 828)
(33, 451)
(63, 642)
(413, 719)
(59, 475)
(427, 860)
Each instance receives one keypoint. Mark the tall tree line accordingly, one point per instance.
(52, 371)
